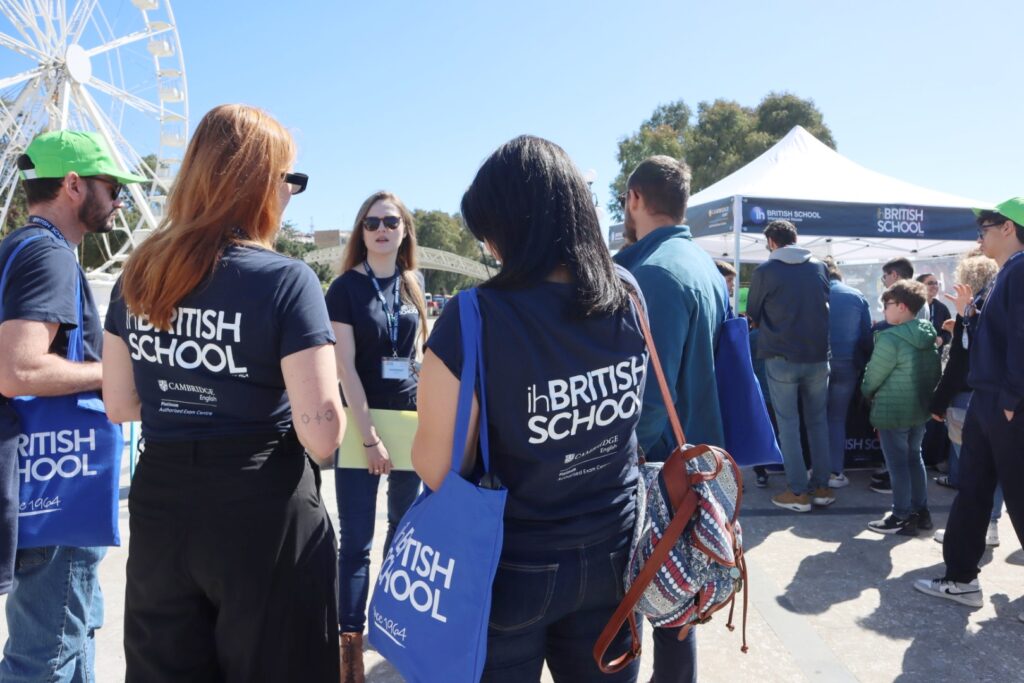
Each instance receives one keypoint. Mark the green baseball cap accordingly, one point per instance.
(57, 153)
(1011, 208)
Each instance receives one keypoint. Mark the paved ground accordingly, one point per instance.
(829, 601)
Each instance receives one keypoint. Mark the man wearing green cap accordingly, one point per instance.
(993, 432)
(72, 184)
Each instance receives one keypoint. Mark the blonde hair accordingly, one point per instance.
(976, 270)
(355, 254)
(227, 191)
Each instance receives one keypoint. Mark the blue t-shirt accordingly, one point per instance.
(563, 400)
(217, 372)
(352, 300)
(40, 287)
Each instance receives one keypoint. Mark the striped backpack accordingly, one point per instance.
(686, 561)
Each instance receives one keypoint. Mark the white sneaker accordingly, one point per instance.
(965, 593)
(992, 536)
(837, 481)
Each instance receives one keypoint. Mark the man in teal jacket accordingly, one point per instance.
(686, 301)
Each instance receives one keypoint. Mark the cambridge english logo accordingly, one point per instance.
(758, 215)
(163, 384)
(900, 220)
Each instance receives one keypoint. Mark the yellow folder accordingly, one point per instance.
(396, 429)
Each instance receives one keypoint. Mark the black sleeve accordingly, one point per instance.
(41, 284)
(116, 311)
(954, 376)
(940, 314)
(302, 315)
(339, 302)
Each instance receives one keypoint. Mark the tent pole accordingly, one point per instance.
(737, 224)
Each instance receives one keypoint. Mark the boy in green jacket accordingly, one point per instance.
(900, 378)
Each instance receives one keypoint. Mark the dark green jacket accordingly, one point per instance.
(902, 374)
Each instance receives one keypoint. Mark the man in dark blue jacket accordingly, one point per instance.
(993, 433)
(788, 301)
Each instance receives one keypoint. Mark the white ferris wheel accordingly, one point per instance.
(114, 67)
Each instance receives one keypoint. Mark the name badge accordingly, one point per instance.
(395, 368)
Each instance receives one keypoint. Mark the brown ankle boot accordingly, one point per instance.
(352, 658)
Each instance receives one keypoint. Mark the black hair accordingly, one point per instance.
(530, 202)
(989, 217)
(901, 266)
(38, 190)
(783, 233)
(664, 183)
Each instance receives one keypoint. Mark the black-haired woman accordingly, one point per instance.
(565, 364)
(378, 313)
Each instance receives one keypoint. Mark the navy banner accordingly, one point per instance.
(839, 219)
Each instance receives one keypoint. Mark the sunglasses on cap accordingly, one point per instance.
(372, 223)
(296, 182)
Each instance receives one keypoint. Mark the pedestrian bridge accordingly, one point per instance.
(426, 257)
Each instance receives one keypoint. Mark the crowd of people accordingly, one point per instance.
(235, 572)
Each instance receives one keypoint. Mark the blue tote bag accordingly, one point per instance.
(69, 459)
(432, 600)
(749, 436)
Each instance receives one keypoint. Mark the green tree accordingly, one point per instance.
(663, 133)
(720, 142)
(444, 231)
(726, 136)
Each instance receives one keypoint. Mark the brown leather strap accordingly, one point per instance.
(625, 609)
(683, 499)
(666, 395)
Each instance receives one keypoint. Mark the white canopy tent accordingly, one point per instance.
(839, 208)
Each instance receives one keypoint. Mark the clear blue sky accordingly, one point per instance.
(412, 96)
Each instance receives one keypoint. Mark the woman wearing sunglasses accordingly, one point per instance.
(565, 365)
(378, 313)
(223, 348)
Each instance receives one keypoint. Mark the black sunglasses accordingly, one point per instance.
(296, 182)
(372, 223)
(116, 188)
(986, 226)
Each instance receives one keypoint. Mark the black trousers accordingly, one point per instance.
(231, 565)
(992, 452)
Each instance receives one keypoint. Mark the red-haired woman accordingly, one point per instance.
(231, 562)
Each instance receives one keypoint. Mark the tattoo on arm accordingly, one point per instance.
(326, 416)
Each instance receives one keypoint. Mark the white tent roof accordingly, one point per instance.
(800, 167)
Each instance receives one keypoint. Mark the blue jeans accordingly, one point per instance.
(552, 604)
(902, 451)
(356, 492)
(842, 381)
(796, 386)
(53, 612)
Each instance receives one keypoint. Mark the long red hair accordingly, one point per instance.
(227, 191)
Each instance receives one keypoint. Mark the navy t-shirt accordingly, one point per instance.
(41, 287)
(563, 400)
(217, 372)
(352, 300)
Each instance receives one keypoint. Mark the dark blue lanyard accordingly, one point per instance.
(43, 223)
(392, 316)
